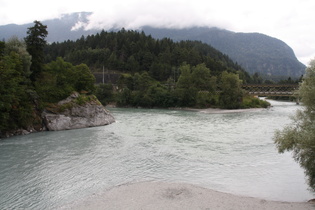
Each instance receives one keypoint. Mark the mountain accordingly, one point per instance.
(59, 29)
(255, 52)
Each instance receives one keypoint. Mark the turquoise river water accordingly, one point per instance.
(230, 152)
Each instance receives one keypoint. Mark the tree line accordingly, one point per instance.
(196, 87)
(159, 73)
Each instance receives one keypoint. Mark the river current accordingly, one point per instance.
(228, 152)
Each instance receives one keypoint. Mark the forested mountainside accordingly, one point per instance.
(133, 51)
(256, 53)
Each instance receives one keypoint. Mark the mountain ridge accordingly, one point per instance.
(255, 52)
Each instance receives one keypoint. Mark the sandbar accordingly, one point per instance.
(163, 195)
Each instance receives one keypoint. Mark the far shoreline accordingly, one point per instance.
(221, 111)
(202, 110)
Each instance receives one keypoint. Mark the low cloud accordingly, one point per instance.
(134, 15)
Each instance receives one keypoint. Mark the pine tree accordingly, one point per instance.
(35, 42)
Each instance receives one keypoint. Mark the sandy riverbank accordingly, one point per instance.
(161, 195)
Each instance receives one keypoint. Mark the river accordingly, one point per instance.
(228, 152)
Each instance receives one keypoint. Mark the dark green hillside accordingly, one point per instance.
(132, 51)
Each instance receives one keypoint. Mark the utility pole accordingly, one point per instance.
(103, 74)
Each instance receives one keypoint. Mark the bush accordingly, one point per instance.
(104, 93)
(253, 102)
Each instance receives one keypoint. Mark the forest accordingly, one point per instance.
(151, 73)
(158, 73)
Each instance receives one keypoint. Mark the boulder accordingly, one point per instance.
(76, 111)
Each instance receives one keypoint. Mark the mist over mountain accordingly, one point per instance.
(59, 29)
(255, 52)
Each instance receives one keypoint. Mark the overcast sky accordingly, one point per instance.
(292, 21)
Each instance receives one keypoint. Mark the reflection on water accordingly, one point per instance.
(231, 152)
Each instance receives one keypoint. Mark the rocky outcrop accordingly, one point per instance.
(77, 111)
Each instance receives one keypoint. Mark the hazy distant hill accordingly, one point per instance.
(253, 51)
(59, 29)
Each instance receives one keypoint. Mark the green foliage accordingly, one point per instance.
(134, 52)
(83, 99)
(104, 93)
(20, 62)
(253, 102)
(19, 46)
(124, 98)
(84, 80)
(184, 80)
(299, 137)
(15, 102)
(2, 48)
(205, 99)
(231, 92)
(80, 100)
(35, 42)
(59, 79)
(158, 72)
(195, 88)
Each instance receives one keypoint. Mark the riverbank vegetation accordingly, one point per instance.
(27, 85)
(299, 137)
(196, 87)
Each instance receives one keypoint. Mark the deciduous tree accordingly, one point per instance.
(232, 93)
(299, 137)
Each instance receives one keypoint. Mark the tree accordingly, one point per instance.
(19, 47)
(59, 78)
(35, 42)
(232, 94)
(185, 93)
(184, 80)
(299, 137)
(15, 103)
(104, 93)
(2, 47)
(201, 77)
(132, 65)
(84, 78)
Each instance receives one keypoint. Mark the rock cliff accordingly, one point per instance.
(77, 111)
